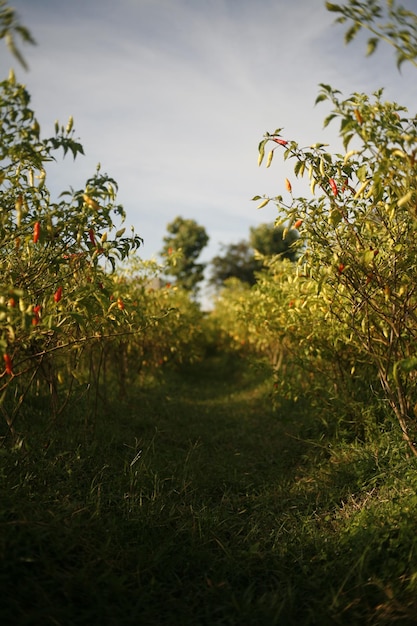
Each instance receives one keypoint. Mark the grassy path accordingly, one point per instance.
(195, 503)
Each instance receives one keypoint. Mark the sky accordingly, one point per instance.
(172, 97)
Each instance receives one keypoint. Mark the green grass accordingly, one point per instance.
(194, 502)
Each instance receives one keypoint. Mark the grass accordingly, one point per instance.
(196, 503)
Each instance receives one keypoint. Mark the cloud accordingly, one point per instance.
(172, 97)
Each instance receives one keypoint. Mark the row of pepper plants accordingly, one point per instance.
(344, 317)
(70, 318)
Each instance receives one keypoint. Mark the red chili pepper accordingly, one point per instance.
(288, 185)
(8, 364)
(298, 223)
(282, 142)
(36, 318)
(58, 294)
(91, 236)
(340, 268)
(333, 186)
(120, 304)
(36, 232)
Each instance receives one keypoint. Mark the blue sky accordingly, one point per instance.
(173, 96)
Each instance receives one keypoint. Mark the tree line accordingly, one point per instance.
(186, 239)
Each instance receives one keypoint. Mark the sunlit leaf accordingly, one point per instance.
(334, 8)
(372, 45)
(352, 32)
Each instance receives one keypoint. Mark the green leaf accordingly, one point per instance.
(320, 98)
(404, 199)
(361, 173)
(334, 8)
(406, 365)
(368, 257)
(335, 217)
(328, 119)
(299, 168)
(347, 139)
(352, 32)
(372, 45)
(261, 150)
(346, 124)
(401, 57)
(15, 51)
(410, 364)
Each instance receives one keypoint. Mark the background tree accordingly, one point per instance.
(239, 260)
(236, 261)
(187, 238)
(269, 240)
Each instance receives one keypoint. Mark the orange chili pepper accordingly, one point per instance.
(8, 364)
(358, 116)
(36, 232)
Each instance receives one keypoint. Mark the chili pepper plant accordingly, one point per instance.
(359, 230)
(56, 256)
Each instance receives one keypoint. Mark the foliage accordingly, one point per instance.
(197, 493)
(396, 25)
(273, 239)
(283, 321)
(79, 315)
(55, 290)
(236, 261)
(232, 329)
(10, 27)
(360, 232)
(170, 323)
(186, 239)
